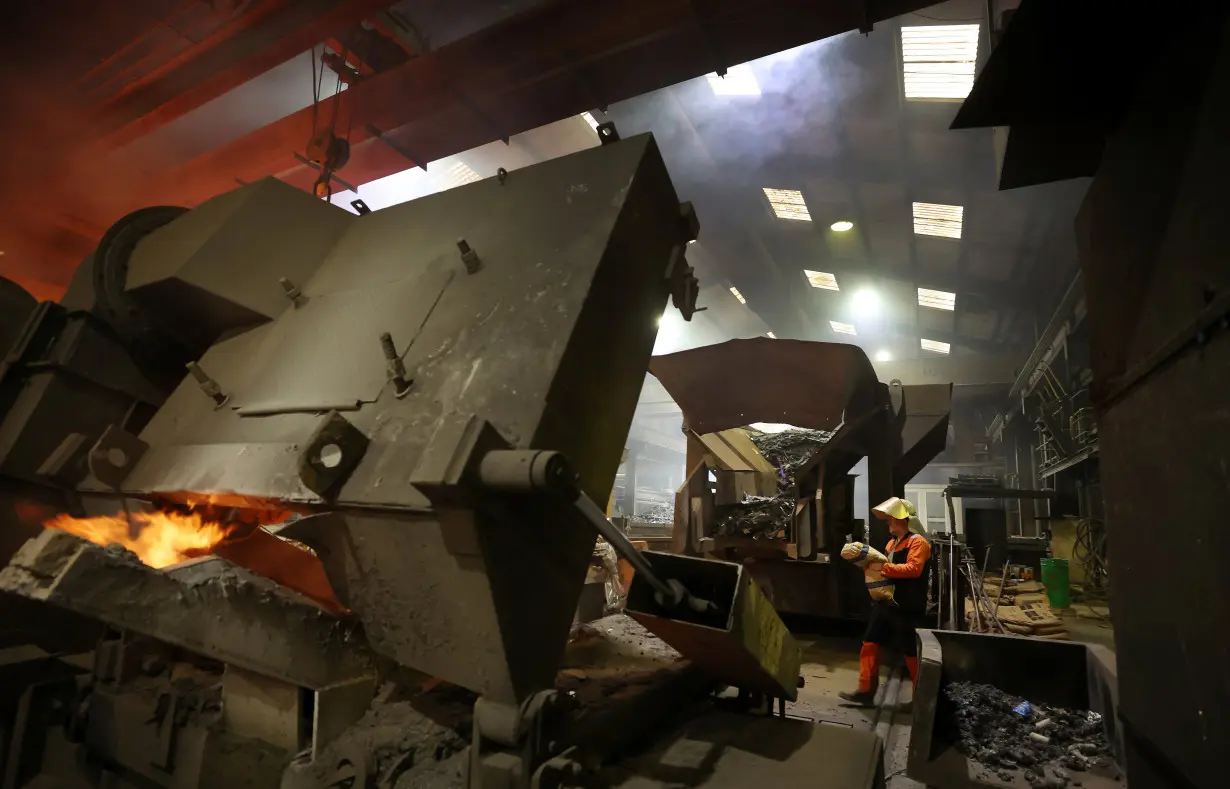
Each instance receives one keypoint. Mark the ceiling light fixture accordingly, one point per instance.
(933, 219)
(841, 226)
(771, 335)
(788, 204)
(843, 328)
(935, 346)
(589, 118)
(821, 279)
(866, 301)
(883, 356)
(738, 81)
(937, 299)
(938, 61)
(735, 292)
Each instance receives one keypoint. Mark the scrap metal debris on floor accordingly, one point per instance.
(658, 513)
(1005, 733)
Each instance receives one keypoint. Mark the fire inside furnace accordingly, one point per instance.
(159, 539)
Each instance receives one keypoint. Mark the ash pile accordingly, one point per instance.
(789, 450)
(1052, 745)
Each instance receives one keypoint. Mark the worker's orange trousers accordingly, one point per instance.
(869, 667)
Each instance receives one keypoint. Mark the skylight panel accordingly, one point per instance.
(735, 292)
(937, 299)
(938, 61)
(843, 328)
(739, 81)
(457, 174)
(821, 279)
(933, 219)
(935, 346)
(788, 203)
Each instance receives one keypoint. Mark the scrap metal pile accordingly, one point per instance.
(658, 513)
(1006, 734)
(758, 517)
(789, 450)
(770, 517)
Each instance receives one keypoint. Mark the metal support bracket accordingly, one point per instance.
(703, 27)
(866, 18)
(684, 286)
(331, 454)
(607, 133)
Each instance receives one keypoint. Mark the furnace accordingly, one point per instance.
(334, 498)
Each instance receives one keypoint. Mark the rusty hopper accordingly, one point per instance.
(819, 386)
(354, 359)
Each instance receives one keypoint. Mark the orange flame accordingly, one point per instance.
(159, 539)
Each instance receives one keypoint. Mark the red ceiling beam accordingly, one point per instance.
(524, 73)
(552, 62)
(272, 34)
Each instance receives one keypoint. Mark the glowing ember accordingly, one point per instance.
(161, 538)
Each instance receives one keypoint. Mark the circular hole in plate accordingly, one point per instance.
(330, 455)
(117, 457)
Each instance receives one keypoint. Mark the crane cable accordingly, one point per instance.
(330, 155)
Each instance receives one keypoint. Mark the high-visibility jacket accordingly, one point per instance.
(908, 565)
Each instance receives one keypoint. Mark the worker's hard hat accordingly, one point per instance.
(894, 508)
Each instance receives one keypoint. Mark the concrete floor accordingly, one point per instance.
(1090, 625)
(830, 665)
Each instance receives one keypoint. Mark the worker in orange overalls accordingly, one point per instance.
(893, 622)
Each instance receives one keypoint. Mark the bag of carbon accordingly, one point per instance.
(879, 587)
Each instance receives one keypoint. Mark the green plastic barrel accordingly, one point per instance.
(1055, 579)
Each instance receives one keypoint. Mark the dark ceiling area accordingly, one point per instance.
(172, 102)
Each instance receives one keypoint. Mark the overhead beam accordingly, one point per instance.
(230, 57)
(514, 74)
(512, 71)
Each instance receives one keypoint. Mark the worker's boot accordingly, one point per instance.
(868, 677)
(860, 698)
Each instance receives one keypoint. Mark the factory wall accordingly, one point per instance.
(1154, 234)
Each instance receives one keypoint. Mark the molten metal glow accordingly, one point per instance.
(159, 539)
